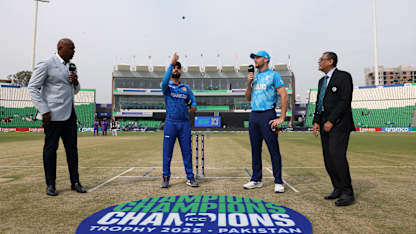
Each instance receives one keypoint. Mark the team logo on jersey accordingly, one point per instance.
(184, 89)
(196, 214)
(267, 78)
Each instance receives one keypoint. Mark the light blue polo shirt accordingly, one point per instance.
(264, 95)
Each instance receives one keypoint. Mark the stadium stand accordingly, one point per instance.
(152, 124)
(228, 69)
(17, 110)
(211, 69)
(377, 106)
(142, 68)
(414, 118)
(159, 68)
(218, 91)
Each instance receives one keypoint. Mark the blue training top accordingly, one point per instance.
(264, 94)
(177, 97)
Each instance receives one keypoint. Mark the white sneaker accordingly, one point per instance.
(279, 188)
(252, 185)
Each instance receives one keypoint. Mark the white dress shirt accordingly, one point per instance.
(329, 74)
(63, 61)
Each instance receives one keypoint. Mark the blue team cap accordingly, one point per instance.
(260, 53)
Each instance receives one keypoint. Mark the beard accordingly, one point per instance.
(176, 75)
(259, 66)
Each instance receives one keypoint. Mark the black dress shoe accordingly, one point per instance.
(78, 187)
(334, 195)
(51, 191)
(345, 200)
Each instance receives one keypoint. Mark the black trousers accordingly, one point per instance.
(67, 130)
(334, 147)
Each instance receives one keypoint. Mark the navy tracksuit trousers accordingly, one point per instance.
(259, 129)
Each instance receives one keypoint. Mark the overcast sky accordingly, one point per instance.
(109, 31)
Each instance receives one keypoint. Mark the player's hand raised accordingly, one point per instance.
(175, 58)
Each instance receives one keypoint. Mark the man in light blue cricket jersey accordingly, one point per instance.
(178, 98)
(263, 90)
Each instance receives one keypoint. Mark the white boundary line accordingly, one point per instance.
(369, 167)
(149, 167)
(108, 181)
(210, 168)
(290, 186)
(205, 177)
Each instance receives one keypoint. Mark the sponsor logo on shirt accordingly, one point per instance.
(260, 86)
(179, 95)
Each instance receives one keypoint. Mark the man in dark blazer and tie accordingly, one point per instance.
(52, 88)
(333, 120)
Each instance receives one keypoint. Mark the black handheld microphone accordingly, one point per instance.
(250, 68)
(188, 102)
(72, 67)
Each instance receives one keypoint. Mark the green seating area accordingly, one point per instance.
(309, 115)
(213, 108)
(85, 114)
(391, 117)
(140, 124)
(19, 117)
(243, 106)
(363, 117)
(210, 91)
(24, 117)
(285, 124)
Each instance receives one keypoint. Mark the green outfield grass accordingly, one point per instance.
(383, 170)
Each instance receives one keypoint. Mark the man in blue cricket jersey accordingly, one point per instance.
(263, 90)
(178, 98)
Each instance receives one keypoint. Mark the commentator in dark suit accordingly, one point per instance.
(52, 88)
(333, 120)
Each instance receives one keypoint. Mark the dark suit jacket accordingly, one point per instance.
(337, 102)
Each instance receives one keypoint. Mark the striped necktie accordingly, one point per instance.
(322, 94)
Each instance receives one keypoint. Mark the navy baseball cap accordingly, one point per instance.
(260, 53)
(178, 64)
